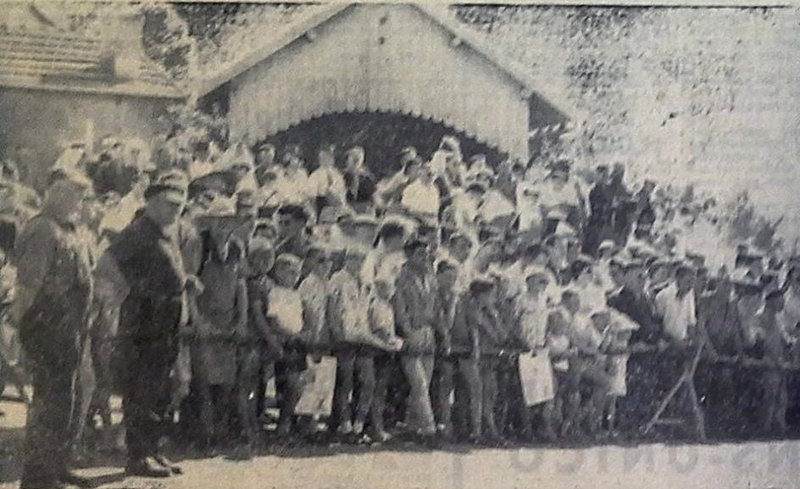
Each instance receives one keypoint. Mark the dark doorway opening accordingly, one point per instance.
(381, 134)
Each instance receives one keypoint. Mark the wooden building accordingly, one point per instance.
(370, 64)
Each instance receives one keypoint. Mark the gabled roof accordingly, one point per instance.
(545, 93)
(54, 60)
(277, 39)
(314, 16)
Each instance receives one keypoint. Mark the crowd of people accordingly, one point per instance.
(237, 295)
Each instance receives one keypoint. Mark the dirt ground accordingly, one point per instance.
(756, 465)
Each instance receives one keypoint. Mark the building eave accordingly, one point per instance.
(530, 88)
(269, 48)
(128, 89)
(555, 100)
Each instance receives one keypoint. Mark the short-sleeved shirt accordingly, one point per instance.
(293, 187)
(381, 318)
(327, 181)
(678, 313)
(533, 319)
(285, 308)
(381, 266)
(582, 332)
(349, 306)
(421, 198)
(314, 295)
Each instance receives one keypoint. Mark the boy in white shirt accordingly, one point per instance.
(316, 334)
(675, 305)
(347, 313)
(421, 197)
(286, 313)
(584, 366)
(380, 315)
(327, 181)
(292, 185)
(386, 259)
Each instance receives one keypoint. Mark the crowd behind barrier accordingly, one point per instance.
(451, 301)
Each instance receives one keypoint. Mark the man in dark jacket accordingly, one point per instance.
(632, 301)
(54, 293)
(600, 202)
(456, 360)
(148, 255)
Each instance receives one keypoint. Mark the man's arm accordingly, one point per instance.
(334, 309)
(36, 250)
(257, 308)
(242, 308)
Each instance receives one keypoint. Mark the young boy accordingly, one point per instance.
(259, 344)
(560, 351)
(460, 355)
(381, 322)
(585, 366)
(347, 313)
(446, 298)
(533, 313)
(223, 308)
(285, 310)
(387, 257)
(326, 182)
(314, 293)
(493, 337)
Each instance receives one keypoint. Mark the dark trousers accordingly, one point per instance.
(287, 383)
(459, 373)
(383, 365)
(147, 395)
(355, 367)
(719, 387)
(489, 367)
(636, 408)
(49, 429)
(511, 413)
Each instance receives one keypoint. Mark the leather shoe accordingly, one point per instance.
(74, 479)
(146, 467)
(167, 463)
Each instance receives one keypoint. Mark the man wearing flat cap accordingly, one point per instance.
(54, 294)
(148, 255)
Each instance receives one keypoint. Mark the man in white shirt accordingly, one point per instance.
(326, 181)
(675, 305)
(292, 185)
(421, 197)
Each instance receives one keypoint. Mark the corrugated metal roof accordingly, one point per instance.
(62, 61)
